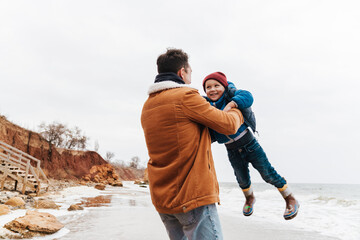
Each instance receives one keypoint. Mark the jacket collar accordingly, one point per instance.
(160, 86)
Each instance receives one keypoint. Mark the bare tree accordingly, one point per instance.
(75, 139)
(53, 133)
(96, 148)
(134, 162)
(60, 135)
(109, 156)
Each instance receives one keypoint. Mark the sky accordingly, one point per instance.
(89, 64)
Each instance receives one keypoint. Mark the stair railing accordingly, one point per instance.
(23, 161)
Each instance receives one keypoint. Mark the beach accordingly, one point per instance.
(127, 213)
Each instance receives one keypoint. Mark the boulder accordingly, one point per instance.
(32, 195)
(117, 183)
(34, 224)
(146, 176)
(15, 202)
(83, 182)
(104, 174)
(4, 209)
(110, 181)
(75, 207)
(100, 186)
(139, 182)
(87, 178)
(46, 204)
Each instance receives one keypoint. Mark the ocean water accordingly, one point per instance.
(330, 209)
(127, 213)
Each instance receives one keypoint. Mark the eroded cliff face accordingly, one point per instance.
(56, 163)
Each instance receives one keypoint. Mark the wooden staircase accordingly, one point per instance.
(22, 168)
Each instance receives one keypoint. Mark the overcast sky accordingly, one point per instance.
(89, 64)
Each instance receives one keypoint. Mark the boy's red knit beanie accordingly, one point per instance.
(218, 76)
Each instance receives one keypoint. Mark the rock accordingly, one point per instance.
(83, 182)
(35, 224)
(104, 174)
(110, 181)
(140, 182)
(3, 199)
(75, 207)
(4, 209)
(46, 204)
(7, 234)
(87, 178)
(15, 202)
(100, 186)
(117, 183)
(146, 176)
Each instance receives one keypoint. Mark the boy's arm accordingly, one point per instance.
(199, 110)
(242, 98)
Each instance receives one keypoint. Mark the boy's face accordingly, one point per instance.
(214, 90)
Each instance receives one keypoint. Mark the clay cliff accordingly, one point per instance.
(56, 163)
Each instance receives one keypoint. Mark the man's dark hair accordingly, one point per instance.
(172, 61)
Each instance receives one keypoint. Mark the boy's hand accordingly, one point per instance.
(229, 106)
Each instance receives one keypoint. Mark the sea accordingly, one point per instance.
(332, 211)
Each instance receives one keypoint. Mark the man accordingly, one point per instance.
(182, 178)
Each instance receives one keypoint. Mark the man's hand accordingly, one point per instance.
(229, 106)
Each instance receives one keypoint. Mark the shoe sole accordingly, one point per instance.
(291, 217)
(294, 214)
(252, 210)
(248, 214)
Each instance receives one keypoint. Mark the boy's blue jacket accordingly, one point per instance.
(242, 98)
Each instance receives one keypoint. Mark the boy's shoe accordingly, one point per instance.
(291, 212)
(248, 208)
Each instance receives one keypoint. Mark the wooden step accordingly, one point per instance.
(32, 180)
(23, 175)
(17, 171)
(13, 163)
(28, 177)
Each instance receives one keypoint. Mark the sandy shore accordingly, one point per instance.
(144, 223)
(131, 216)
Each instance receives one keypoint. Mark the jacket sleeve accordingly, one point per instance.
(197, 109)
(242, 98)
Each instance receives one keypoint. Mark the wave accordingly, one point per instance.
(330, 210)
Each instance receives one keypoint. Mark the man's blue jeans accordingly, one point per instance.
(254, 154)
(198, 224)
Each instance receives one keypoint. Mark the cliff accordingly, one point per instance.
(57, 163)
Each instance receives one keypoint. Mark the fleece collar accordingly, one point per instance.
(160, 86)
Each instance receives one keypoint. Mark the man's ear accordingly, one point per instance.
(180, 72)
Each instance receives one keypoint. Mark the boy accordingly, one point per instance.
(242, 147)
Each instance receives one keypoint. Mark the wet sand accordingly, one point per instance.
(138, 223)
(128, 214)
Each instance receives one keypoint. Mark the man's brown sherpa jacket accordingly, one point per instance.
(175, 119)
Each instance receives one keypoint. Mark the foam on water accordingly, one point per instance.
(328, 209)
